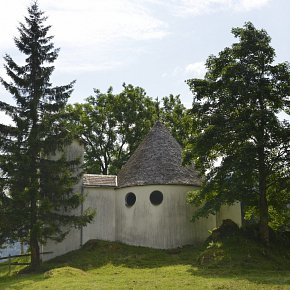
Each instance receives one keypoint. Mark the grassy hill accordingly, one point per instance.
(224, 262)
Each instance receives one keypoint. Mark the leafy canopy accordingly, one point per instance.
(113, 125)
(242, 147)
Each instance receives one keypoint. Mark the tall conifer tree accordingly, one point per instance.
(37, 190)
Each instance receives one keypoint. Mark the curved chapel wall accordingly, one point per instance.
(163, 226)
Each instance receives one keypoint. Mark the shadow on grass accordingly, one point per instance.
(246, 261)
(230, 263)
(239, 257)
(99, 253)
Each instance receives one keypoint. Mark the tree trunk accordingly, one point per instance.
(34, 229)
(21, 248)
(35, 253)
(263, 227)
(263, 204)
(34, 245)
(34, 190)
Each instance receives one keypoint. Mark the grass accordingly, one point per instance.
(233, 262)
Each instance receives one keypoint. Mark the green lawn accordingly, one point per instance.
(231, 264)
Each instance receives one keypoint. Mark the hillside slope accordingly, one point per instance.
(224, 262)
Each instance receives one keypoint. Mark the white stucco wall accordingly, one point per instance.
(102, 199)
(70, 243)
(73, 240)
(232, 212)
(163, 226)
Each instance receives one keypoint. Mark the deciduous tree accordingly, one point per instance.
(242, 147)
(112, 126)
(177, 118)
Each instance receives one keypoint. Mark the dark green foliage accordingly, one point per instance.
(36, 178)
(113, 125)
(230, 248)
(242, 148)
(176, 117)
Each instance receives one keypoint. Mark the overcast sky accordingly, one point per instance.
(155, 44)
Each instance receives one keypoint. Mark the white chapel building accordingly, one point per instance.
(145, 205)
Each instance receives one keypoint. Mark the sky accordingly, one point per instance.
(154, 44)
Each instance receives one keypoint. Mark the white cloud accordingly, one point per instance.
(4, 119)
(176, 72)
(84, 67)
(89, 32)
(91, 22)
(196, 69)
(199, 7)
(250, 4)
(180, 73)
(11, 13)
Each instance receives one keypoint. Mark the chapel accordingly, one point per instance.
(145, 204)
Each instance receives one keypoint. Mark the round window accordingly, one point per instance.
(156, 197)
(130, 199)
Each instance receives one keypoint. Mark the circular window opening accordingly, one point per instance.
(156, 197)
(130, 199)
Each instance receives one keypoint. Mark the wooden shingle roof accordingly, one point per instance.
(157, 160)
(95, 180)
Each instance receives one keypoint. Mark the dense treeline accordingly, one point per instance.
(113, 125)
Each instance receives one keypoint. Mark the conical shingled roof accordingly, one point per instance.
(157, 160)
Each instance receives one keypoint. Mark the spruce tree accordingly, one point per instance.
(37, 186)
